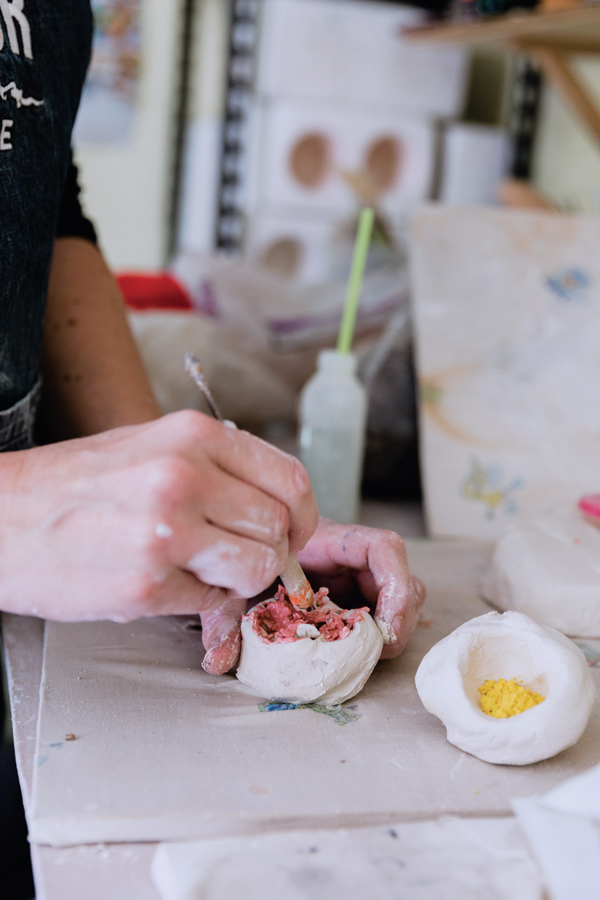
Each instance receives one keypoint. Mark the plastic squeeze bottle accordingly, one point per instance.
(333, 407)
(333, 414)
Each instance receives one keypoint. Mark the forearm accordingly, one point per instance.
(93, 375)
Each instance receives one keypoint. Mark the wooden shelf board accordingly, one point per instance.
(570, 30)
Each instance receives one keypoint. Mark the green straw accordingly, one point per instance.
(359, 259)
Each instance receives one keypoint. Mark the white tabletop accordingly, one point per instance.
(123, 870)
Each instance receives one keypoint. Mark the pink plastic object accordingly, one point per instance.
(590, 506)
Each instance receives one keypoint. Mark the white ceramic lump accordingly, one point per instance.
(311, 669)
(508, 645)
(549, 568)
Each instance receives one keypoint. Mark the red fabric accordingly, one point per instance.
(162, 291)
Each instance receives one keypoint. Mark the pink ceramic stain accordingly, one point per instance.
(277, 620)
(590, 506)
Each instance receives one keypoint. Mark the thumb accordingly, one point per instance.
(221, 636)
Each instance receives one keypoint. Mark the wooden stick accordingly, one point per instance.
(560, 74)
(296, 584)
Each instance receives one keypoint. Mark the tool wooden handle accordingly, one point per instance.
(296, 583)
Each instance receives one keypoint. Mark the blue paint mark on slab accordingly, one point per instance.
(592, 656)
(272, 706)
(570, 284)
(337, 713)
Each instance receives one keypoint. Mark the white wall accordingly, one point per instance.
(203, 138)
(567, 157)
(127, 187)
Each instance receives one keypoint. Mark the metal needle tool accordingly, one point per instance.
(194, 370)
(294, 580)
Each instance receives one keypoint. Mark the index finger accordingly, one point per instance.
(240, 454)
(274, 472)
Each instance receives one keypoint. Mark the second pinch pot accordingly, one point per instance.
(510, 646)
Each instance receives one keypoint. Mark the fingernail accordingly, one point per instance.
(398, 625)
(388, 632)
(208, 662)
(221, 658)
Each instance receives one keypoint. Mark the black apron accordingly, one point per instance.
(44, 54)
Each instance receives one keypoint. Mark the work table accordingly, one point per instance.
(451, 782)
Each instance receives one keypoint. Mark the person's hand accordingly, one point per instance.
(361, 566)
(367, 566)
(176, 516)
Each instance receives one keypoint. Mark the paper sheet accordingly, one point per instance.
(566, 847)
(563, 830)
(579, 796)
(163, 751)
(457, 859)
(507, 321)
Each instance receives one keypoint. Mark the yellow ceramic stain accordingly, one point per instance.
(503, 699)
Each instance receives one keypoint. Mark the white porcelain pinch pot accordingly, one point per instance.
(508, 645)
(309, 669)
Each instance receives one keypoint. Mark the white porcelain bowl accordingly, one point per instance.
(508, 645)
